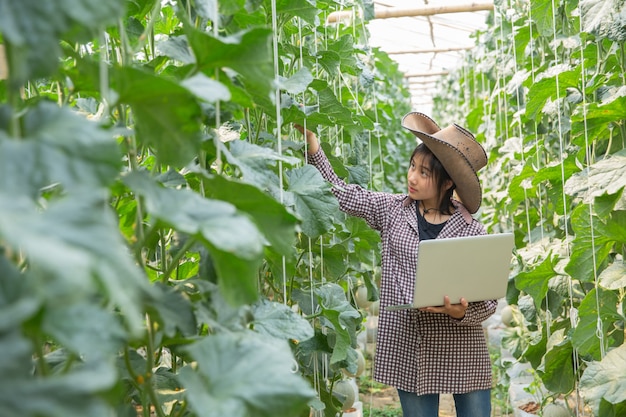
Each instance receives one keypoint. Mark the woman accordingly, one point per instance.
(440, 349)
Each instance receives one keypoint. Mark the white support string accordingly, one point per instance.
(536, 130)
(573, 312)
(589, 160)
(278, 131)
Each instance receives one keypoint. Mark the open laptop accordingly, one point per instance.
(474, 267)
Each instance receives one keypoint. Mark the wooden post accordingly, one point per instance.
(4, 68)
(425, 10)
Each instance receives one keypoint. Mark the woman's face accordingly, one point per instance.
(421, 184)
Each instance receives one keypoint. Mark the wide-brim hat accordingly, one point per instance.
(457, 150)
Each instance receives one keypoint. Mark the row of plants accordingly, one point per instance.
(164, 247)
(544, 90)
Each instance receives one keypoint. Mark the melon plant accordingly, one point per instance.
(555, 410)
(157, 219)
(543, 90)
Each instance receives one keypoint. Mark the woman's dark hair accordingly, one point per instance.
(440, 176)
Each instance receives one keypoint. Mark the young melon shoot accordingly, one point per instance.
(361, 297)
(555, 410)
(360, 368)
(343, 391)
(506, 316)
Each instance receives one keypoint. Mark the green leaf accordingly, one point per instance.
(272, 218)
(604, 18)
(298, 82)
(592, 243)
(605, 379)
(240, 375)
(306, 9)
(614, 276)
(330, 106)
(542, 13)
(280, 321)
(85, 329)
(176, 47)
(314, 203)
(174, 310)
(341, 317)
(235, 244)
(78, 233)
(607, 176)
(535, 282)
(559, 374)
(585, 337)
(167, 116)
(32, 29)
(206, 88)
(256, 164)
(73, 394)
(344, 48)
(545, 88)
(247, 53)
(57, 147)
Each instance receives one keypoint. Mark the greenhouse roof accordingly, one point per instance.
(426, 47)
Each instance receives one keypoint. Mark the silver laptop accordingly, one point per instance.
(474, 267)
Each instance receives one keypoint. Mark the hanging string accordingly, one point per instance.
(536, 130)
(588, 156)
(573, 313)
(278, 131)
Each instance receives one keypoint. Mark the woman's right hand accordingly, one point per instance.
(311, 140)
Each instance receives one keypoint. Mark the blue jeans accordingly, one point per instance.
(470, 404)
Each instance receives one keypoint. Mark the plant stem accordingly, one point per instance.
(174, 264)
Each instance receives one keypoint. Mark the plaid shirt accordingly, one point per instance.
(418, 352)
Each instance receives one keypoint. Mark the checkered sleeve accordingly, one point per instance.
(478, 312)
(353, 199)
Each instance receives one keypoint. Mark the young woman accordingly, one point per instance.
(440, 349)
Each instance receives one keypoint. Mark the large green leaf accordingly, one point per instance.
(271, 217)
(585, 337)
(257, 164)
(74, 394)
(174, 312)
(546, 88)
(248, 53)
(86, 329)
(315, 204)
(559, 375)
(535, 282)
(306, 9)
(244, 375)
(341, 317)
(166, 114)
(607, 176)
(592, 244)
(605, 379)
(57, 147)
(75, 251)
(235, 244)
(542, 13)
(32, 29)
(280, 321)
(614, 276)
(604, 18)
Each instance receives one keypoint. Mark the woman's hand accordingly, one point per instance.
(456, 311)
(311, 139)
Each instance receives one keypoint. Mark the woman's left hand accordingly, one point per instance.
(456, 311)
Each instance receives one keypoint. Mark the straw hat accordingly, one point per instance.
(457, 150)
